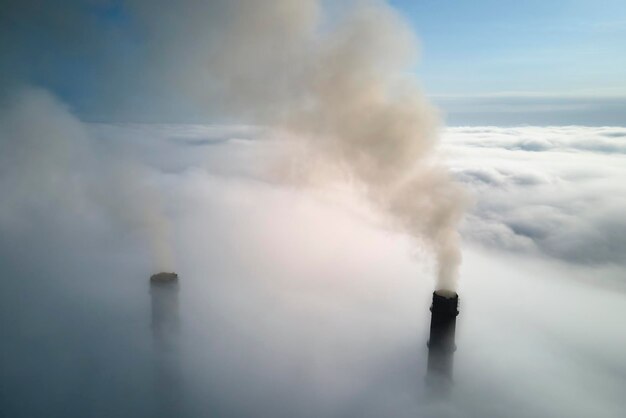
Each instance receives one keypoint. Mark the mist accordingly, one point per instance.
(342, 94)
(292, 301)
(334, 80)
(310, 211)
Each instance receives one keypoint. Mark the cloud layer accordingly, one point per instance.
(293, 303)
(555, 191)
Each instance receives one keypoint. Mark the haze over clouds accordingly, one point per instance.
(555, 191)
(340, 95)
(296, 231)
(517, 108)
(339, 324)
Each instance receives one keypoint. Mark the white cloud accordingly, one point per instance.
(555, 191)
(530, 138)
(297, 301)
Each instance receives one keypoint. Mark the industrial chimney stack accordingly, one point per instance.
(165, 322)
(441, 344)
(165, 331)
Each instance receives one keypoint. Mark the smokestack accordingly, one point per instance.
(164, 295)
(441, 345)
(165, 330)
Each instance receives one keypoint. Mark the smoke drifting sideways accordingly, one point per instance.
(339, 90)
(333, 79)
(374, 127)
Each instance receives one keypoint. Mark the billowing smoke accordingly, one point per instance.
(333, 77)
(359, 114)
(339, 88)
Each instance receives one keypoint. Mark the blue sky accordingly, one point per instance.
(546, 47)
(483, 62)
(530, 62)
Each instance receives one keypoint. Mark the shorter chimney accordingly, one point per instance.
(164, 295)
(441, 345)
(165, 330)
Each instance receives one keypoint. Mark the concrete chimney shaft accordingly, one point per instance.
(441, 344)
(165, 330)
(165, 320)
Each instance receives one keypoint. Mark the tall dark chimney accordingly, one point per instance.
(165, 330)
(441, 345)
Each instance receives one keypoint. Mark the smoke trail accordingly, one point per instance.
(362, 116)
(139, 204)
(339, 87)
(334, 75)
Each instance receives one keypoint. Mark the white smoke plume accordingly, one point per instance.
(339, 88)
(335, 76)
(361, 115)
(54, 172)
